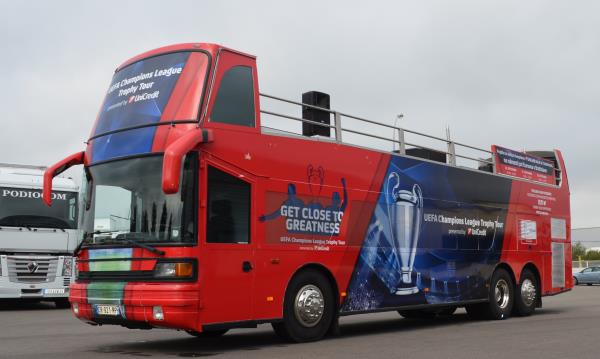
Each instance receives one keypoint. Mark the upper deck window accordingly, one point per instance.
(234, 104)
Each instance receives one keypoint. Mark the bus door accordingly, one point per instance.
(227, 254)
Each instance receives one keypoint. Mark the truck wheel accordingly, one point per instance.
(308, 308)
(526, 296)
(207, 334)
(62, 303)
(500, 300)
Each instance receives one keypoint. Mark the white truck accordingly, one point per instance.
(36, 242)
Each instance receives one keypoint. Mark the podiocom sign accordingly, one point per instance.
(22, 193)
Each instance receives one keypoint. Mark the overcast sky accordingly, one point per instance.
(521, 74)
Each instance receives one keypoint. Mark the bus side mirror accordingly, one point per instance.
(56, 169)
(174, 153)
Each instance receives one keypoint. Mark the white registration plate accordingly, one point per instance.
(106, 309)
(54, 291)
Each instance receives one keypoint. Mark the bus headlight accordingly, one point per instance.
(174, 270)
(67, 269)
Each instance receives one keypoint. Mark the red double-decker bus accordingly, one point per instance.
(198, 216)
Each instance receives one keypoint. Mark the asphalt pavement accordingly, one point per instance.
(567, 327)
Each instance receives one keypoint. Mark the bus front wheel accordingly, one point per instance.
(308, 309)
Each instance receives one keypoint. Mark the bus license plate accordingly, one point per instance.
(105, 309)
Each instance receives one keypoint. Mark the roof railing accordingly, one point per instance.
(397, 138)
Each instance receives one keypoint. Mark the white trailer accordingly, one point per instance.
(36, 241)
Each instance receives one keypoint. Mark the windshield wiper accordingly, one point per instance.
(87, 239)
(130, 238)
(145, 246)
(125, 238)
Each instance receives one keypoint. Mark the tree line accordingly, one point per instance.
(579, 252)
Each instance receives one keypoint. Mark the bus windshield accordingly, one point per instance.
(21, 207)
(125, 201)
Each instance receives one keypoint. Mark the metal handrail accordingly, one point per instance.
(337, 126)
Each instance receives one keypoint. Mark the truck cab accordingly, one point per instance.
(36, 242)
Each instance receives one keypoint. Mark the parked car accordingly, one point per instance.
(587, 276)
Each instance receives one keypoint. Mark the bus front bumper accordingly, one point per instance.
(137, 305)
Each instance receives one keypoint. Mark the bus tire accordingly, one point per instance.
(308, 308)
(280, 331)
(526, 294)
(207, 334)
(500, 298)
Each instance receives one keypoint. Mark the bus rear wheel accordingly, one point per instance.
(500, 299)
(308, 309)
(526, 297)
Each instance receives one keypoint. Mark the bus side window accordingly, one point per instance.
(228, 210)
(234, 104)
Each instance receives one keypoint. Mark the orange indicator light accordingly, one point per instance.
(184, 270)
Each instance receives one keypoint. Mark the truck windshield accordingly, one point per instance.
(21, 207)
(125, 202)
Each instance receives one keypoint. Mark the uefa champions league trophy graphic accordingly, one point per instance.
(405, 214)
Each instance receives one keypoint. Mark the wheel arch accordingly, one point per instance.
(532, 267)
(509, 269)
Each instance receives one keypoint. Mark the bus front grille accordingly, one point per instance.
(32, 269)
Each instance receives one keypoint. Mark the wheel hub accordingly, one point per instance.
(502, 293)
(528, 292)
(309, 305)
